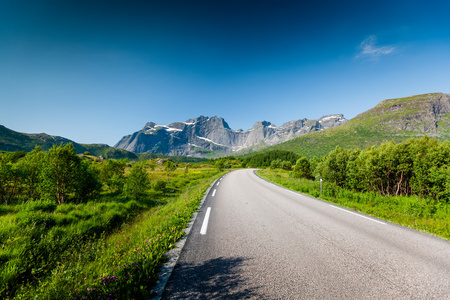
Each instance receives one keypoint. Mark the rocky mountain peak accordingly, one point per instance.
(203, 135)
(264, 124)
(213, 122)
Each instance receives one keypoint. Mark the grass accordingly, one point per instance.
(97, 250)
(420, 214)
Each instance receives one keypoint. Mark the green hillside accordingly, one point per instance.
(11, 140)
(391, 120)
(115, 153)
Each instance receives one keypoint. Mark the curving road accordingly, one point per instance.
(262, 241)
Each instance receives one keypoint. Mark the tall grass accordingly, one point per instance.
(96, 250)
(417, 213)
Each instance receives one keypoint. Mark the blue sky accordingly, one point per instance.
(94, 71)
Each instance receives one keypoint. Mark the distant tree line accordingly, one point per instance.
(276, 159)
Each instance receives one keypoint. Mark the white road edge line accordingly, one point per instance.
(205, 222)
(214, 192)
(357, 214)
(218, 183)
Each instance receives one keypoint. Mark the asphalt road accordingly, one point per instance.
(266, 242)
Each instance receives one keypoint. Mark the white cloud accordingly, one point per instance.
(370, 49)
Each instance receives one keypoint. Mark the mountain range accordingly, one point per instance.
(391, 120)
(213, 136)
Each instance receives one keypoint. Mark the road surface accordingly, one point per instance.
(261, 241)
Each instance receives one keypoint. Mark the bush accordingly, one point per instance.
(159, 185)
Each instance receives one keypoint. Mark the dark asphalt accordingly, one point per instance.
(266, 242)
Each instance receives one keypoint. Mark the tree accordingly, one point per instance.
(112, 174)
(275, 164)
(335, 166)
(59, 172)
(159, 185)
(88, 185)
(10, 177)
(265, 159)
(286, 165)
(220, 165)
(170, 167)
(302, 168)
(431, 172)
(137, 181)
(30, 167)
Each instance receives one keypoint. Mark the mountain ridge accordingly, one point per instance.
(11, 140)
(212, 135)
(396, 120)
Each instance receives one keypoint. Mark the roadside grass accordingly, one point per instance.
(111, 248)
(420, 214)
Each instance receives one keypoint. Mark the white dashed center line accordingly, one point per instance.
(205, 222)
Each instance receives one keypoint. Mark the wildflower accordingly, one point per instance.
(79, 282)
(85, 278)
(88, 289)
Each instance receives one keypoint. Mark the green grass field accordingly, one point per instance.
(110, 248)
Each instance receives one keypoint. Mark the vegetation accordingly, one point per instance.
(416, 167)
(406, 183)
(75, 226)
(271, 158)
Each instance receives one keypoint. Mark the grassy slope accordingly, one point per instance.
(11, 140)
(394, 120)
